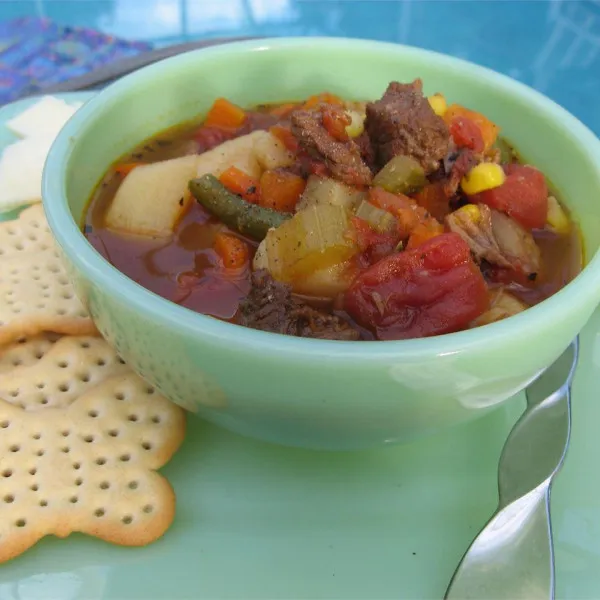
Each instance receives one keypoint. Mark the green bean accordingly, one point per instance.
(248, 219)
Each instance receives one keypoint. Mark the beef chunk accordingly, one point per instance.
(270, 307)
(343, 159)
(403, 122)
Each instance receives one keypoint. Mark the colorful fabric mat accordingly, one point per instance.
(36, 52)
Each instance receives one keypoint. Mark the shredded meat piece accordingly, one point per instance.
(270, 306)
(497, 239)
(343, 159)
(403, 122)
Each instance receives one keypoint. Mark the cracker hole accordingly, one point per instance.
(84, 377)
(133, 485)
(35, 487)
(16, 362)
(39, 354)
(125, 457)
(77, 466)
(78, 481)
(13, 393)
(101, 362)
(62, 364)
(88, 438)
(7, 472)
(15, 448)
(65, 449)
(67, 295)
(99, 512)
(41, 385)
(133, 418)
(62, 280)
(65, 433)
(101, 461)
(146, 445)
(32, 471)
(127, 520)
(20, 522)
(93, 414)
(37, 436)
(44, 400)
(9, 498)
(63, 387)
(121, 361)
(120, 396)
(85, 344)
(40, 452)
(148, 508)
(36, 277)
(61, 311)
(43, 503)
(150, 390)
(4, 424)
(73, 499)
(104, 485)
(113, 432)
(54, 269)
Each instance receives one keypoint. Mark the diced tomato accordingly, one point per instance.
(210, 137)
(466, 134)
(489, 130)
(523, 196)
(335, 121)
(238, 182)
(372, 244)
(431, 290)
(285, 136)
(280, 190)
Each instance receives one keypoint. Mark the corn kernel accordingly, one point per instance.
(438, 103)
(357, 125)
(471, 211)
(484, 176)
(556, 217)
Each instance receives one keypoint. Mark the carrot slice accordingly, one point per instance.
(424, 231)
(285, 136)
(238, 182)
(225, 114)
(126, 168)
(283, 109)
(280, 191)
(324, 98)
(233, 251)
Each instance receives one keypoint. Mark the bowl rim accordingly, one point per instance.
(167, 313)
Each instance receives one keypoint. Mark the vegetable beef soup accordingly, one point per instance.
(400, 218)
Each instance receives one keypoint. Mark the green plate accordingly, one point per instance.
(256, 521)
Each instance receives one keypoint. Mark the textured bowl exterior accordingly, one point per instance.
(314, 393)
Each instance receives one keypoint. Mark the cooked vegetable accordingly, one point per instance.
(248, 219)
(438, 103)
(286, 137)
(270, 151)
(556, 218)
(489, 130)
(225, 114)
(466, 134)
(507, 154)
(484, 176)
(523, 196)
(335, 121)
(433, 289)
(152, 197)
(239, 183)
(327, 282)
(401, 174)
(238, 152)
(316, 238)
(423, 232)
(324, 190)
(325, 98)
(379, 219)
(233, 251)
(434, 200)
(357, 123)
(126, 168)
(502, 305)
(280, 190)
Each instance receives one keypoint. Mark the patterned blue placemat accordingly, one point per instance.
(36, 52)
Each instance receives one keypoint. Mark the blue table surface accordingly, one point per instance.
(551, 45)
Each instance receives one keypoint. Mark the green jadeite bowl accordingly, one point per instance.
(303, 392)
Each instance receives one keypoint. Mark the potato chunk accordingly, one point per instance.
(152, 197)
(238, 152)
